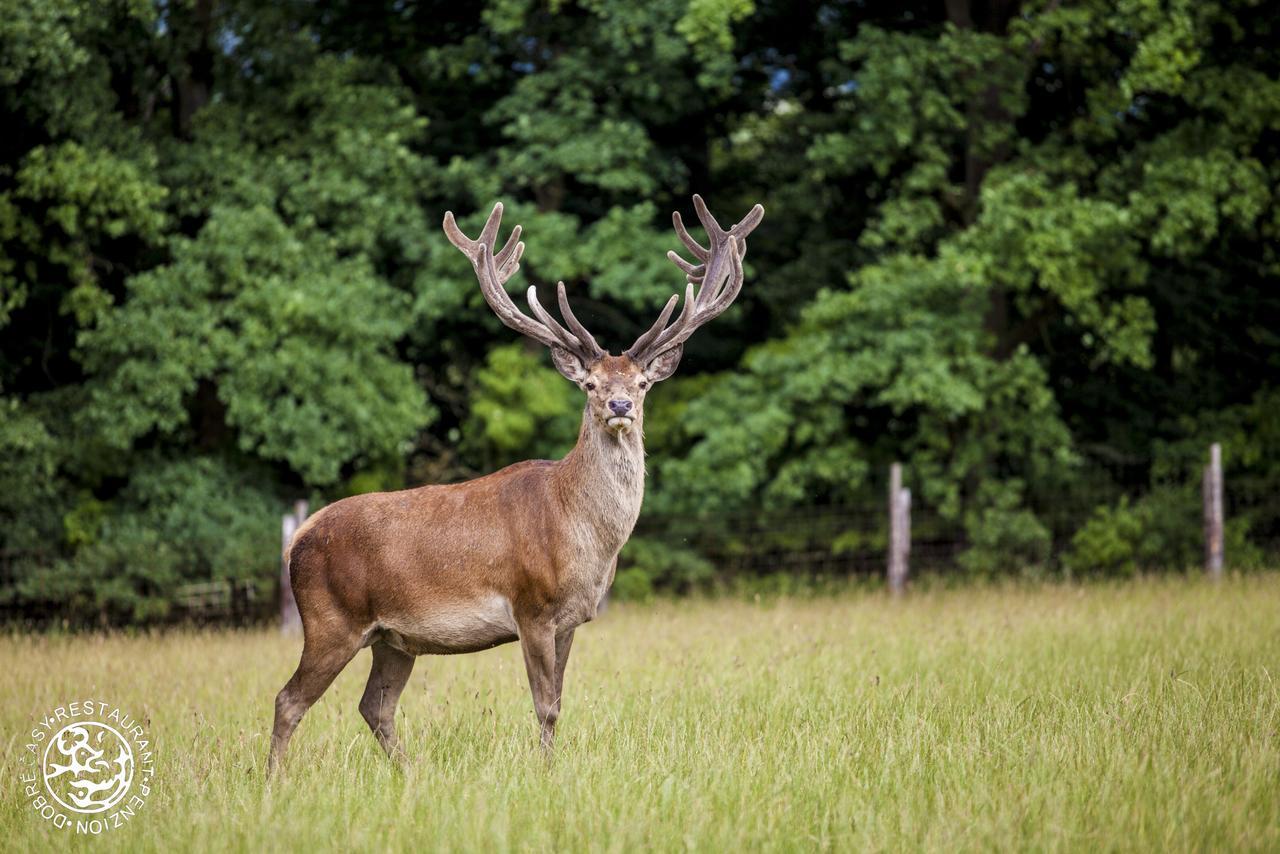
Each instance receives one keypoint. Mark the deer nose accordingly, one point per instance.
(620, 407)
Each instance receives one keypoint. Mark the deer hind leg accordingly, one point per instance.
(322, 660)
(387, 678)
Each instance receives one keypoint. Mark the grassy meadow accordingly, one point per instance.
(1136, 716)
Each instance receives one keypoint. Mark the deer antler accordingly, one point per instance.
(493, 271)
(718, 277)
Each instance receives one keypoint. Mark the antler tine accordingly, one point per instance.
(719, 279)
(692, 245)
(728, 291)
(697, 272)
(694, 272)
(578, 329)
(493, 270)
(709, 224)
(748, 223)
(500, 301)
(685, 323)
(716, 273)
(508, 268)
(513, 245)
(735, 271)
(567, 339)
(489, 234)
(456, 237)
(636, 349)
(698, 311)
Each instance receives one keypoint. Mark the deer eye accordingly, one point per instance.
(591, 386)
(643, 384)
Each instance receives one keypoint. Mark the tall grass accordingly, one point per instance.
(1142, 716)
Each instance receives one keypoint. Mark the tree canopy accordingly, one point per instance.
(1020, 246)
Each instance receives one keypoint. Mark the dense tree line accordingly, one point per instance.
(1023, 246)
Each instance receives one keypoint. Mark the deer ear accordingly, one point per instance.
(664, 364)
(569, 365)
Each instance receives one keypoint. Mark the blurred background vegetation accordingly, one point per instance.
(1027, 248)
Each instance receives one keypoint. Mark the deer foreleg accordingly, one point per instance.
(538, 642)
(564, 641)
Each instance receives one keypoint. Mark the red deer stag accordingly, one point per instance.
(526, 553)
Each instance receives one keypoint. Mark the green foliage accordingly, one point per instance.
(69, 199)
(1160, 530)
(1110, 541)
(295, 339)
(633, 584)
(1008, 245)
(215, 518)
(653, 563)
(519, 407)
(950, 347)
(1004, 536)
(708, 26)
(28, 465)
(189, 520)
(128, 574)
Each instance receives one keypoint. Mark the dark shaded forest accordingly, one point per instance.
(1027, 249)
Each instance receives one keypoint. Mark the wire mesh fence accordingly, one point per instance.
(852, 540)
(1043, 532)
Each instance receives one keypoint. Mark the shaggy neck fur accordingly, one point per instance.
(602, 481)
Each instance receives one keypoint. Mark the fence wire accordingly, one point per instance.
(849, 540)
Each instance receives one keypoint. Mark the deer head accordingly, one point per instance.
(615, 385)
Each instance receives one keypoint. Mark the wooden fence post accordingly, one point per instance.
(904, 528)
(290, 621)
(1211, 493)
(899, 530)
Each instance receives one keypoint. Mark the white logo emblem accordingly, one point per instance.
(88, 767)
(82, 761)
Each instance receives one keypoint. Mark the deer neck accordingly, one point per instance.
(602, 484)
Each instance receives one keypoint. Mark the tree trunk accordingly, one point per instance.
(193, 79)
(981, 112)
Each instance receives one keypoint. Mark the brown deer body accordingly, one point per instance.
(526, 553)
